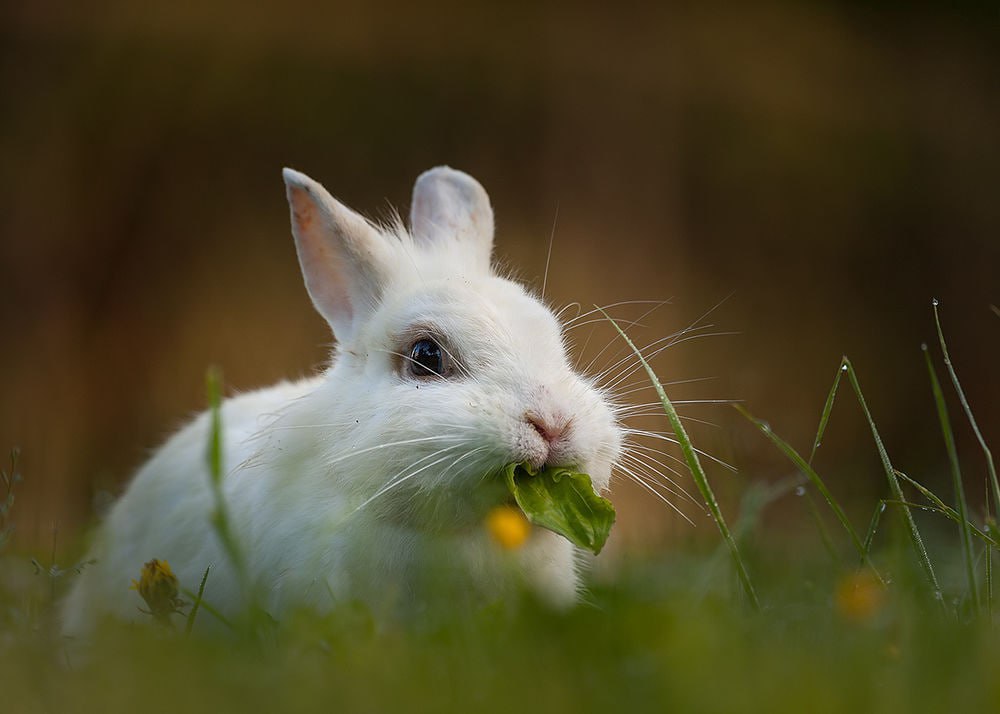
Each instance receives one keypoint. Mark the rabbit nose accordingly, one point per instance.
(550, 429)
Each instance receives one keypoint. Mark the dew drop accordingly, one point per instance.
(923, 346)
(881, 508)
(935, 302)
(800, 490)
(819, 444)
(843, 368)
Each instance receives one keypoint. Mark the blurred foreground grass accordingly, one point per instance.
(898, 619)
(656, 641)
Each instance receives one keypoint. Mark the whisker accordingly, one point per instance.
(637, 479)
(558, 314)
(668, 484)
(638, 363)
(390, 444)
(671, 440)
(548, 257)
(657, 303)
(396, 481)
(669, 340)
(467, 454)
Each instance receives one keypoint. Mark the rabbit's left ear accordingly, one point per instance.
(345, 260)
(452, 208)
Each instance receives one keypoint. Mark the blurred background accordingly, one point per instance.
(816, 172)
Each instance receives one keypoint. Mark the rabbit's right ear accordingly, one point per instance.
(345, 260)
(451, 208)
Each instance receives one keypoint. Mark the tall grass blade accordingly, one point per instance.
(824, 418)
(897, 491)
(990, 465)
(989, 583)
(824, 532)
(956, 475)
(949, 512)
(872, 528)
(189, 625)
(694, 465)
(814, 479)
(220, 515)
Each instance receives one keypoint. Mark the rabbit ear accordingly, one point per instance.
(450, 207)
(344, 259)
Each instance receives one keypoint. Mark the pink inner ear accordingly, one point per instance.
(303, 208)
(323, 267)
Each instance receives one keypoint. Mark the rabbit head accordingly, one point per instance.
(444, 372)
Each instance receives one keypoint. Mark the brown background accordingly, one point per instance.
(830, 167)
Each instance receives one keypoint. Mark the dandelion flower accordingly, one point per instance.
(508, 527)
(158, 586)
(859, 597)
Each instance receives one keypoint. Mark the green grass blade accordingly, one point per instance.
(694, 466)
(197, 603)
(214, 612)
(956, 475)
(213, 388)
(825, 416)
(872, 528)
(989, 583)
(990, 465)
(946, 510)
(824, 533)
(220, 516)
(894, 487)
(950, 514)
(814, 479)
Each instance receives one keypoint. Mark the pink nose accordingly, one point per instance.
(548, 429)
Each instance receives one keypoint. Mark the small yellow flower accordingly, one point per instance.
(508, 527)
(859, 597)
(158, 586)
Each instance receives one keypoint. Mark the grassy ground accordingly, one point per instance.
(656, 641)
(900, 620)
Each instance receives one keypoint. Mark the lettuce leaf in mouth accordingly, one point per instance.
(564, 502)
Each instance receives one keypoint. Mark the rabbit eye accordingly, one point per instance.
(427, 359)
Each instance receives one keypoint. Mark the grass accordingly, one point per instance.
(902, 624)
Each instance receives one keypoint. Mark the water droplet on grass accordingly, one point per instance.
(843, 368)
(800, 490)
(935, 302)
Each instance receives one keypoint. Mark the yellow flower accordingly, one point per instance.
(158, 586)
(508, 527)
(859, 596)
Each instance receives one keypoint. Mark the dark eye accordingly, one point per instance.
(427, 359)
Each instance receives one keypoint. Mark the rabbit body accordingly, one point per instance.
(371, 481)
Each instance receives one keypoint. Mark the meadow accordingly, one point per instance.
(893, 614)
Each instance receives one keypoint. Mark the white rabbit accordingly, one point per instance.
(371, 482)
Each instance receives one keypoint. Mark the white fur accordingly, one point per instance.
(367, 483)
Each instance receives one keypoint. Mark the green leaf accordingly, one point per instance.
(564, 502)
